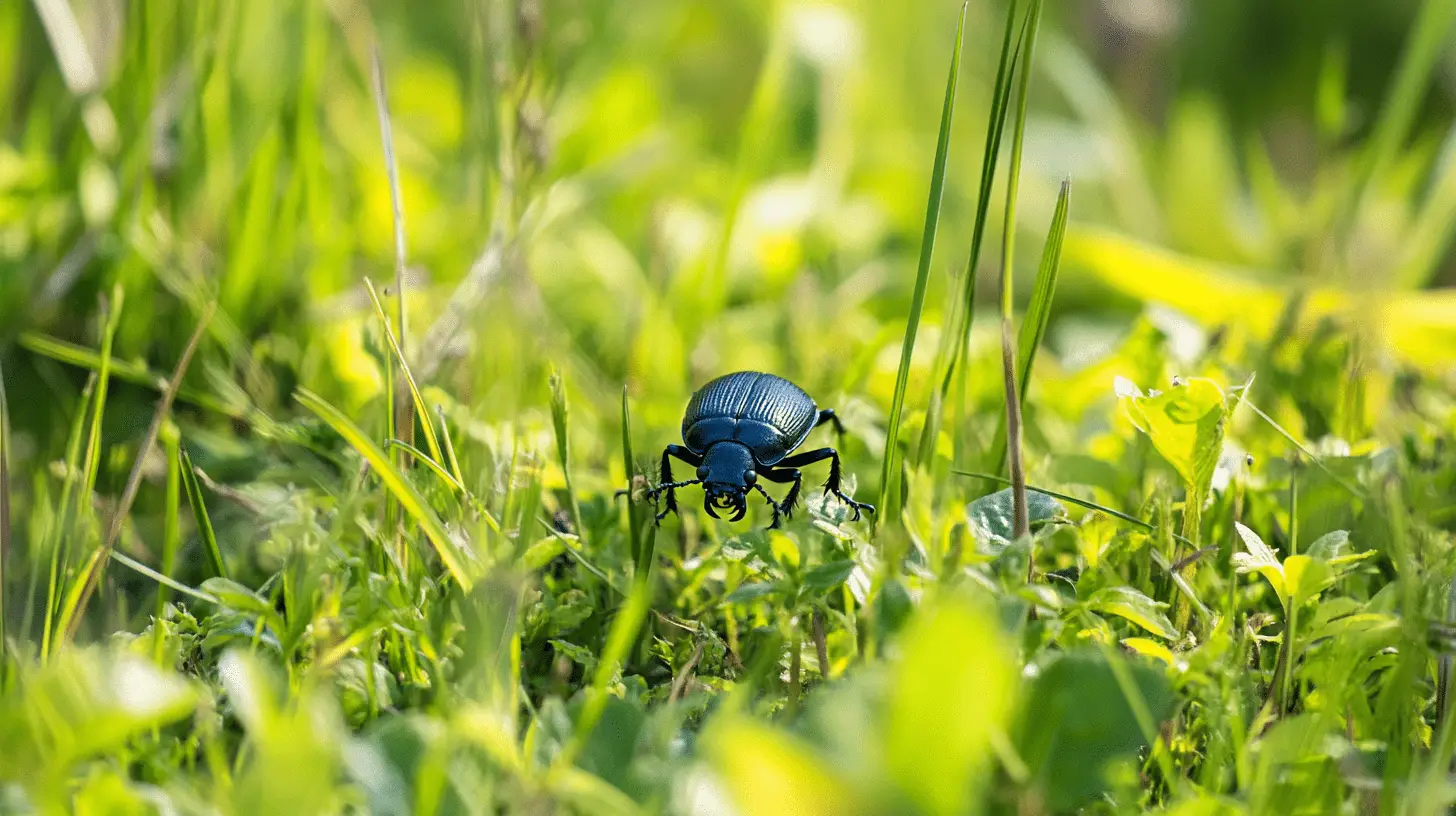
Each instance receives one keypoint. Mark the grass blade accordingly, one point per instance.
(432, 441)
(403, 419)
(195, 500)
(171, 529)
(1038, 312)
(559, 422)
(134, 480)
(991, 151)
(890, 475)
(634, 528)
(58, 535)
(1021, 524)
(395, 481)
(134, 373)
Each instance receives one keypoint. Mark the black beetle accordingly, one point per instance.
(741, 428)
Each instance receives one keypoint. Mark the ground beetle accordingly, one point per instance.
(741, 428)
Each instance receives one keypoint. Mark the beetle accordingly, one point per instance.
(741, 428)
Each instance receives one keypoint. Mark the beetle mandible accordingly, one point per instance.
(741, 428)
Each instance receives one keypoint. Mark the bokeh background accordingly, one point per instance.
(676, 189)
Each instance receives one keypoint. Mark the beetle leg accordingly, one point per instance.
(831, 485)
(828, 415)
(778, 509)
(785, 476)
(668, 485)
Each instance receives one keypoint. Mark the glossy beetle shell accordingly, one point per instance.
(769, 415)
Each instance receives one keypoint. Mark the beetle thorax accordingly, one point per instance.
(724, 466)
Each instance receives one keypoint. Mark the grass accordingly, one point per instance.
(1129, 558)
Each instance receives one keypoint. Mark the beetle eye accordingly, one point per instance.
(749, 477)
(702, 472)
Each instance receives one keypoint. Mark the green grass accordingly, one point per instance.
(1171, 532)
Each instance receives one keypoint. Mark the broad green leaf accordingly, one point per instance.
(1306, 577)
(1128, 603)
(953, 688)
(1261, 559)
(1078, 720)
(991, 516)
(236, 596)
(1330, 545)
(751, 592)
(828, 576)
(1185, 424)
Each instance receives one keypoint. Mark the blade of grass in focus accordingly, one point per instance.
(634, 528)
(409, 498)
(193, 488)
(890, 474)
(1020, 523)
(990, 156)
(1038, 312)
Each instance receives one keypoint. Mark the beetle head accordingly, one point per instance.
(727, 474)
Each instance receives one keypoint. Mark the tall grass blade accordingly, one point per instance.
(200, 517)
(171, 529)
(134, 479)
(560, 417)
(890, 474)
(394, 480)
(634, 527)
(386, 137)
(1021, 524)
(995, 126)
(432, 440)
(59, 533)
(1039, 311)
(111, 319)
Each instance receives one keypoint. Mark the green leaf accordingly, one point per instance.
(828, 576)
(1078, 721)
(1128, 603)
(234, 595)
(1261, 559)
(954, 686)
(1330, 545)
(1185, 424)
(748, 592)
(1305, 577)
(193, 489)
(991, 516)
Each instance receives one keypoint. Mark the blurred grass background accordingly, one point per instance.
(232, 149)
